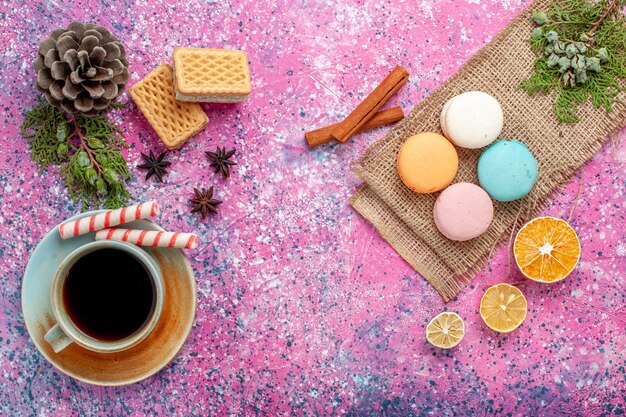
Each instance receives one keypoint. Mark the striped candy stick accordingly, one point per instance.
(150, 238)
(107, 219)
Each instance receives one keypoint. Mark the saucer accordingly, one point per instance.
(110, 369)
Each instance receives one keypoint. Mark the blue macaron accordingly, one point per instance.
(507, 170)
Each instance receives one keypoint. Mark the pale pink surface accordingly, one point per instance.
(463, 211)
(303, 307)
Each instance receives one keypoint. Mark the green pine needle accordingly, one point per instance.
(570, 19)
(87, 151)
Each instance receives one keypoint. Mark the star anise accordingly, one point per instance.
(204, 202)
(155, 165)
(220, 159)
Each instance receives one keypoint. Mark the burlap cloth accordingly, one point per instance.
(405, 219)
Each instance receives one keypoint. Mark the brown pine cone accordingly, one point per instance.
(81, 69)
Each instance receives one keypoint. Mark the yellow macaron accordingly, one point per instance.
(427, 162)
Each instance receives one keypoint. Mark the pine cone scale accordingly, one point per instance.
(91, 72)
(66, 105)
(39, 64)
(71, 34)
(51, 57)
(106, 35)
(88, 43)
(71, 90)
(122, 51)
(60, 70)
(102, 74)
(110, 90)
(83, 59)
(46, 45)
(94, 89)
(64, 44)
(112, 52)
(56, 34)
(121, 79)
(97, 56)
(116, 66)
(75, 78)
(100, 104)
(78, 28)
(56, 90)
(82, 68)
(83, 103)
(94, 32)
(44, 79)
(71, 57)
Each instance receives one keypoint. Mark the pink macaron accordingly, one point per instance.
(463, 211)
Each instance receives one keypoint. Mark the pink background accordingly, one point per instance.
(303, 309)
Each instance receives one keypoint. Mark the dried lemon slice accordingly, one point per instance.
(445, 330)
(546, 249)
(503, 308)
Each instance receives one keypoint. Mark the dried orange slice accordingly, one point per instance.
(546, 249)
(445, 330)
(503, 308)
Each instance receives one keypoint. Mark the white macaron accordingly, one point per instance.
(472, 120)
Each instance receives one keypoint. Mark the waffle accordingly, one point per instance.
(211, 75)
(174, 121)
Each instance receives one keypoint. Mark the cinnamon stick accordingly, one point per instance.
(383, 117)
(372, 103)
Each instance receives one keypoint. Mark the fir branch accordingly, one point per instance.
(598, 25)
(45, 129)
(86, 150)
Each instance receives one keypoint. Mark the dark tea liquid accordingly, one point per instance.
(108, 294)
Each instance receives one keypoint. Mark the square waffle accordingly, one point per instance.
(174, 121)
(211, 75)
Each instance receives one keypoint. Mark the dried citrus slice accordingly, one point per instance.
(503, 308)
(445, 330)
(546, 249)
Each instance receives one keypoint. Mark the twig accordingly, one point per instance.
(606, 14)
(83, 146)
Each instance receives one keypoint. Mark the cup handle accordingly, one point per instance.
(57, 338)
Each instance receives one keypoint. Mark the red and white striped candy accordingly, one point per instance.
(150, 238)
(107, 219)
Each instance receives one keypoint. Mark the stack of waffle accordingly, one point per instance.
(168, 97)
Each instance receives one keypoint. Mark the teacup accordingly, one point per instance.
(105, 296)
